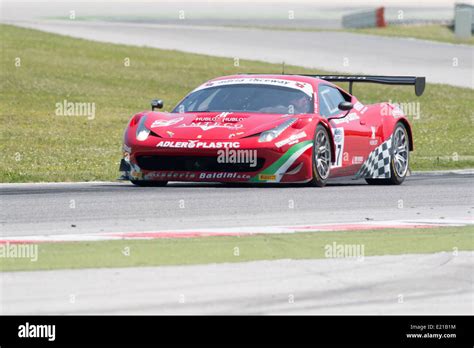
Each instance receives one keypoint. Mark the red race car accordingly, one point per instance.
(258, 128)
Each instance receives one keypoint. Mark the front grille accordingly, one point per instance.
(195, 163)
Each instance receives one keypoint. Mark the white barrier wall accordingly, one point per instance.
(462, 23)
(463, 20)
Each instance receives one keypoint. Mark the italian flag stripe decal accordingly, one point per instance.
(281, 165)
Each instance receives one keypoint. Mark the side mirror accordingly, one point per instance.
(156, 104)
(345, 106)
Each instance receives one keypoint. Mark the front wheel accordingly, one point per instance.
(321, 157)
(145, 183)
(400, 158)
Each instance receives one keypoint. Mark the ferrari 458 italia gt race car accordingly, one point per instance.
(259, 128)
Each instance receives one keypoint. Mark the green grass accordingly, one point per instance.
(434, 32)
(303, 245)
(37, 145)
(431, 32)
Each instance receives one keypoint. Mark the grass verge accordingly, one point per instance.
(303, 245)
(430, 32)
(40, 70)
(433, 32)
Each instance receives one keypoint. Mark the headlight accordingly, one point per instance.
(271, 134)
(142, 132)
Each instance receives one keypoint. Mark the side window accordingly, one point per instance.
(329, 99)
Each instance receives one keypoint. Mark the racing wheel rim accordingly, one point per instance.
(322, 154)
(400, 151)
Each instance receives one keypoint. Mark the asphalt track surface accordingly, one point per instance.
(331, 51)
(406, 284)
(75, 208)
(305, 13)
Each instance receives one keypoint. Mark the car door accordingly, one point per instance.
(350, 131)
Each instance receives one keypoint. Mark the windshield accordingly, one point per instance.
(247, 98)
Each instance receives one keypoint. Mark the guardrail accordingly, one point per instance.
(365, 19)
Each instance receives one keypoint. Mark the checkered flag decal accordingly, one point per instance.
(377, 165)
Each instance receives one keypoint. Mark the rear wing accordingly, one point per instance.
(418, 82)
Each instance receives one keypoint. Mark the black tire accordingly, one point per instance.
(322, 167)
(144, 183)
(398, 173)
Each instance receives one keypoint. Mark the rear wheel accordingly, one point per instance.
(144, 183)
(400, 158)
(321, 157)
